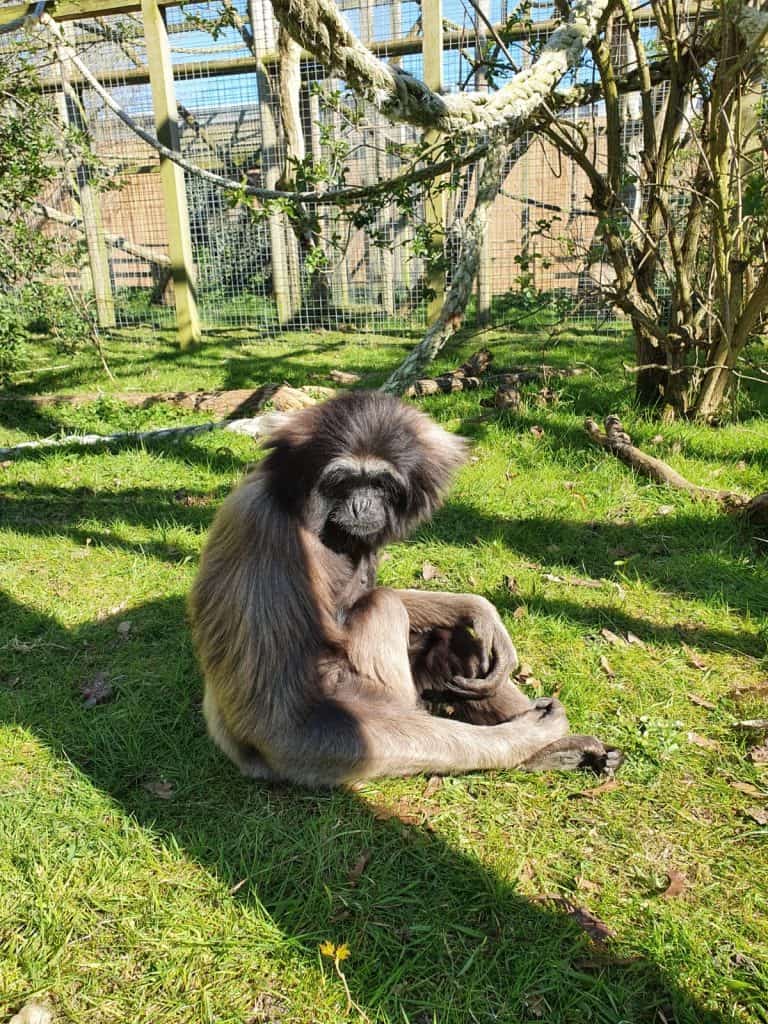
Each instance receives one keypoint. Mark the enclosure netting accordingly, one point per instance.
(542, 251)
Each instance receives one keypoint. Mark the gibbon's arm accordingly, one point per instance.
(498, 659)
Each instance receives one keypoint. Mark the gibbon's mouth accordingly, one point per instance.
(338, 536)
(362, 527)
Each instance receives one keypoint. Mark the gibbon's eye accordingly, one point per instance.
(390, 487)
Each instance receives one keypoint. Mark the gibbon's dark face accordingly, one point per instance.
(360, 499)
(361, 469)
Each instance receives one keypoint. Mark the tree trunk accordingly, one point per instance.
(652, 378)
(717, 381)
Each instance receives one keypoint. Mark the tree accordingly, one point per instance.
(31, 136)
(682, 197)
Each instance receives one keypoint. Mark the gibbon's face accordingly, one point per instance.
(360, 469)
(360, 501)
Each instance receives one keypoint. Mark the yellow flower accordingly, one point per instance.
(343, 952)
(327, 948)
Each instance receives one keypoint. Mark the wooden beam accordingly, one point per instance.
(434, 204)
(69, 10)
(392, 48)
(171, 175)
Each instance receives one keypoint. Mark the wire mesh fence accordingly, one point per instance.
(543, 251)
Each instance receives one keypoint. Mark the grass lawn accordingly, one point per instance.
(142, 880)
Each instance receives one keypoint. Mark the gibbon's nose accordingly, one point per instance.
(361, 504)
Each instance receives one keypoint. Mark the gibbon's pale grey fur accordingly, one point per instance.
(312, 672)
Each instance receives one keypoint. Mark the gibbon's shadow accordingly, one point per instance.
(419, 900)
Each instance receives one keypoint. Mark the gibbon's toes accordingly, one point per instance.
(614, 759)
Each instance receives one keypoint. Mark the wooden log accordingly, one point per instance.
(464, 378)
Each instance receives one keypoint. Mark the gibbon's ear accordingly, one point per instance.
(274, 424)
(438, 456)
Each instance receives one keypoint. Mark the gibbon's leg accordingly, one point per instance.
(370, 725)
(357, 738)
(377, 646)
(246, 758)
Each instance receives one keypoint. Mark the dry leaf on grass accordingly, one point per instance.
(537, 431)
(596, 929)
(344, 377)
(356, 871)
(524, 672)
(160, 788)
(124, 629)
(430, 572)
(593, 791)
(703, 741)
(759, 755)
(748, 789)
(402, 811)
(757, 814)
(520, 612)
(97, 690)
(605, 665)
(633, 638)
(677, 883)
(33, 1013)
(752, 725)
(701, 702)
(694, 660)
(434, 783)
(584, 885)
(511, 585)
(536, 1005)
(745, 692)
(612, 638)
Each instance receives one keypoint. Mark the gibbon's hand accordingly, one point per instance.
(497, 655)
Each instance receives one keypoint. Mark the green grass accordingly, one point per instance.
(119, 905)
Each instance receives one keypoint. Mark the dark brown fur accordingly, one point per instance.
(315, 674)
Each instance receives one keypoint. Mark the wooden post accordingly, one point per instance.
(171, 175)
(264, 40)
(90, 209)
(484, 268)
(434, 207)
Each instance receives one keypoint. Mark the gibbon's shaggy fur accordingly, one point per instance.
(312, 672)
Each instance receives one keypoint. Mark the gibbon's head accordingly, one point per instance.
(361, 469)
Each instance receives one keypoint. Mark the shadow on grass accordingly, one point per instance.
(432, 930)
(696, 557)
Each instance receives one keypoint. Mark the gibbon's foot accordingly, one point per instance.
(572, 753)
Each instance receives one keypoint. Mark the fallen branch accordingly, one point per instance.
(257, 426)
(283, 398)
(530, 374)
(465, 378)
(141, 252)
(618, 442)
(237, 402)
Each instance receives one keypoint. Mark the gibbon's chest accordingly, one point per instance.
(356, 578)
